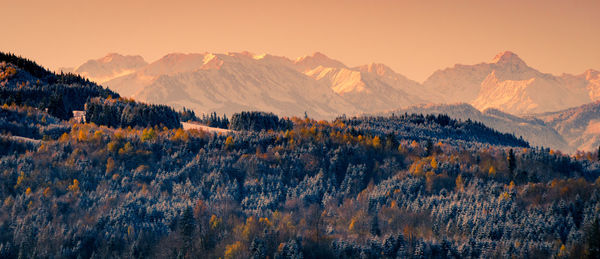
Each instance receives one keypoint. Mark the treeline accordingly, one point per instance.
(186, 115)
(127, 113)
(440, 127)
(211, 120)
(249, 121)
(257, 121)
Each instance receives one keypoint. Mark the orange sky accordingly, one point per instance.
(413, 37)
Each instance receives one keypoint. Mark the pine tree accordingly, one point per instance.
(188, 226)
(593, 240)
(57, 107)
(512, 163)
(375, 226)
(429, 148)
(258, 248)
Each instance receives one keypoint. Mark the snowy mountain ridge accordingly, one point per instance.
(506, 83)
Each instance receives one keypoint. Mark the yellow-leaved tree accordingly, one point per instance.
(460, 183)
(376, 142)
(492, 171)
(74, 187)
(229, 142)
(434, 163)
(148, 134)
(234, 250)
(110, 165)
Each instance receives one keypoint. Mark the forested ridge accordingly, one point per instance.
(408, 186)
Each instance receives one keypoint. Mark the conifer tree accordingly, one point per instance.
(512, 163)
(188, 226)
(593, 240)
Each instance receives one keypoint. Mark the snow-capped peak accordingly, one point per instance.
(315, 56)
(245, 53)
(174, 57)
(109, 57)
(377, 68)
(507, 57)
(317, 59)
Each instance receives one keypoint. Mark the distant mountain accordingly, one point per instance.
(580, 126)
(110, 66)
(533, 130)
(507, 83)
(228, 83)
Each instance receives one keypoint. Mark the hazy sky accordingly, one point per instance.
(413, 37)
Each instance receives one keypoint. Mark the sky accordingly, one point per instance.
(414, 38)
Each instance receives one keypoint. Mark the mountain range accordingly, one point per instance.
(225, 83)
(505, 93)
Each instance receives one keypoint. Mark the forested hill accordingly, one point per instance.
(24, 83)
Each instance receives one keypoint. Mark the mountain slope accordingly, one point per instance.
(580, 126)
